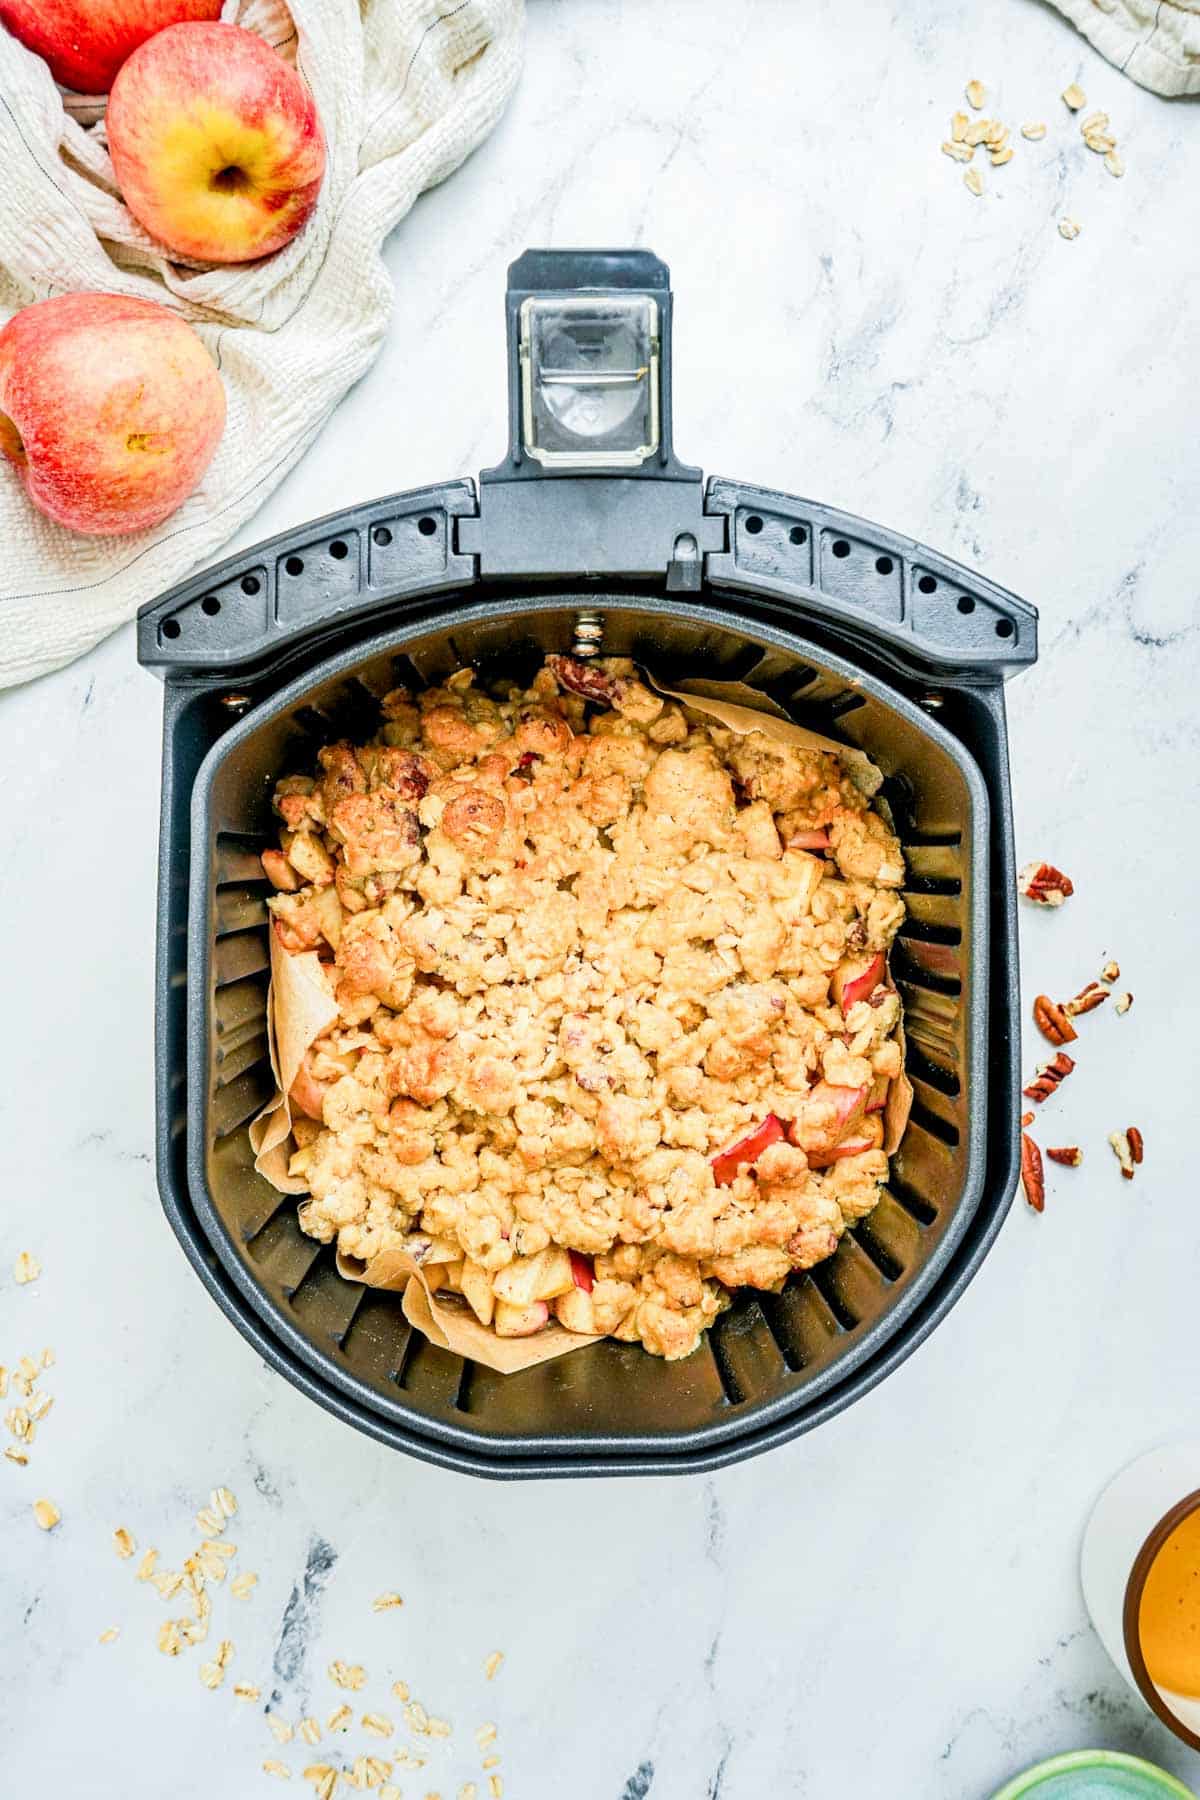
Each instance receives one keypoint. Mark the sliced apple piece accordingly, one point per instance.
(879, 1094)
(855, 981)
(279, 872)
(866, 1136)
(808, 840)
(476, 1286)
(576, 1311)
(519, 1321)
(583, 1272)
(726, 1163)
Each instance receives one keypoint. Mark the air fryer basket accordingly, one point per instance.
(757, 587)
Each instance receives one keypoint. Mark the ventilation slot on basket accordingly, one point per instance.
(824, 1280)
(913, 1203)
(937, 1127)
(780, 1325)
(323, 1303)
(281, 1253)
(235, 1105)
(920, 1068)
(240, 954)
(462, 1399)
(377, 1338)
(725, 1374)
(236, 858)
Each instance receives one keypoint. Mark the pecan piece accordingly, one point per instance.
(1052, 1021)
(1033, 1176)
(1124, 1002)
(1069, 1154)
(584, 678)
(1111, 972)
(1086, 1000)
(1045, 885)
(1137, 1144)
(1123, 1151)
(1026, 1119)
(1049, 1076)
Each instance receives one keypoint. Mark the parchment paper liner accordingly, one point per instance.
(301, 1008)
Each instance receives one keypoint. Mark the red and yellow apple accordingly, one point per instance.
(86, 41)
(111, 409)
(215, 142)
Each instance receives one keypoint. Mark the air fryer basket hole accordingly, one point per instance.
(929, 812)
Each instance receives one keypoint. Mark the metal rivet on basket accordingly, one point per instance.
(589, 633)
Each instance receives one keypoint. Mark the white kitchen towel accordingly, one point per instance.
(1156, 42)
(405, 89)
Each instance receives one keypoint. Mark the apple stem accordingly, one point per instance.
(11, 443)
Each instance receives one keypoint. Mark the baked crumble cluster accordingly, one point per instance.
(615, 1028)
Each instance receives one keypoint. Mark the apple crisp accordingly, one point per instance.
(615, 1028)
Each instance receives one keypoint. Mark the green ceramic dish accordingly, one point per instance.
(1095, 1775)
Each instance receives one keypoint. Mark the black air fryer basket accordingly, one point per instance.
(590, 537)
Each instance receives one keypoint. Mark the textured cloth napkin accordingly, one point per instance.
(405, 89)
(1156, 42)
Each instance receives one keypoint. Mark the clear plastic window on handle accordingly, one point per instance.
(590, 380)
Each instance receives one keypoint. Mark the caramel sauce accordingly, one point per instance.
(1169, 1613)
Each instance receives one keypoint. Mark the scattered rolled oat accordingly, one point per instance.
(280, 1730)
(169, 1640)
(400, 1689)
(323, 1778)
(339, 1718)
(46, 1514)
(495, 1787)
(3, 1381)
(123, 1542)
(222, 1501)
(417, 1717)
(47, 1358)
(974, 182)
(168, 1583)
(210, 1521)
(28, 1368)
(1035, 133)
(439, 1728)
(212, 1674)
(246, 1690)
(958, 127)
(111, 1635)
(977, 132)
(1124, 1002)
(1068, 228)
(490, 1762)
(16, 1456)
(271, 1767)
(1097, 121)
(389, 1792)
(1000, 157)
(468, 1791)
(242, 1584)
(26, 1268)
(347, 1675)
(1075, 97)
(960, 152)
(40, 1405)
(1113, 163)
(485, 1735)
(309, 1730)
(377, 1725)
(492, 1666)
(386, 1602)
(976, 94)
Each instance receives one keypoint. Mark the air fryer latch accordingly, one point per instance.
(591, 484)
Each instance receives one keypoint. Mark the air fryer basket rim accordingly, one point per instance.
(766, 1415)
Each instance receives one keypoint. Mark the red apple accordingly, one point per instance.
(215, 142)
(86, 41)
(582, 1271)
(110, 409)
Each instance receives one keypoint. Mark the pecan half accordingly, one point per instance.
(1049, 1076)
(1033, 1176)
(1137, 1144)
(1052, 1021)
(1086, 1000)
(1070, 1154)
(1045, 885)
(584, 678)
(1123, 1151)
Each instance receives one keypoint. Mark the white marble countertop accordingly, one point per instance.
(889, 1606)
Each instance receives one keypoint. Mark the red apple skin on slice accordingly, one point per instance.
(582, 1272)
(858, 983)
(867, 1136)
(726, 1163)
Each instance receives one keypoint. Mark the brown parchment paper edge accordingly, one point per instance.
(301, 1007)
